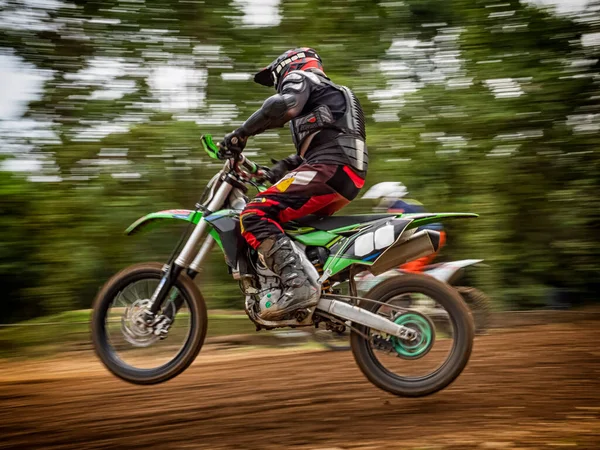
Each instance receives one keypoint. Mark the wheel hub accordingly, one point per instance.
(134, 327)
(423, 339)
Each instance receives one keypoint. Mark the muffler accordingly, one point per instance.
(420, 244)
(361, 316)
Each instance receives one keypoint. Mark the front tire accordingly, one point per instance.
(459, 353)
(192, 343)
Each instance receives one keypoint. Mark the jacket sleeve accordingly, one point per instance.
(279, 108)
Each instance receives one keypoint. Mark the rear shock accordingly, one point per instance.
(317, 257)
(326, 286)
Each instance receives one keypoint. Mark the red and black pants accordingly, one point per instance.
(320, 189)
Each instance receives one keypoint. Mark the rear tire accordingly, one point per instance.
(185, 356)
(461, 321)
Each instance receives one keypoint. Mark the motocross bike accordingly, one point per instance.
(149, 321)
(447, 272)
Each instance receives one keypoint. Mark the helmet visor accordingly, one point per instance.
(265, 77)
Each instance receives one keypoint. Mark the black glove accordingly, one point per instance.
(232, 144)
(282, 167)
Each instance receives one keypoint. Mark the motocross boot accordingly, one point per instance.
(280, 256)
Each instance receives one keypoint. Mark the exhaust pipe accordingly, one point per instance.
(359, 315)
(420, 244)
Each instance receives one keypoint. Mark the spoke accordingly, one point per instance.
(127, 292)
(119, 299)
(134, 286)
(149, 289)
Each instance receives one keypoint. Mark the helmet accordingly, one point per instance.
(295, 59)
(388, 192)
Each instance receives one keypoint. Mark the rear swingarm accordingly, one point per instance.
(347, 311)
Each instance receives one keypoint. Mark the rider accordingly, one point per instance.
(392, 198)
(328, 169)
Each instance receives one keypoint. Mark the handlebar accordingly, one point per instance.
(247, 164)
(237, 162)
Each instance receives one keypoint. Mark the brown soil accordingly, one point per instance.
(533, 387)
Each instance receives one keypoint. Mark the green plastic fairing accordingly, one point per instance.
(314, 238)
(338, 264)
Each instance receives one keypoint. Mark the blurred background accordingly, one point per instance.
(477, 106)
(483, 106)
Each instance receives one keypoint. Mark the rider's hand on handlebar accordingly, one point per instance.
(232, 145)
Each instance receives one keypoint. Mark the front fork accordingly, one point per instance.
(183, 260)
(193, 270)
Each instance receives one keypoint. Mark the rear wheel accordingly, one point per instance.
(129, 348)
(436, 357)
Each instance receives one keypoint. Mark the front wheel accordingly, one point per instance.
(435, 357)
(142, 354)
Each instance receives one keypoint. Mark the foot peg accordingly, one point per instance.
(301, 314)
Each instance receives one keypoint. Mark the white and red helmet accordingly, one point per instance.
(295, 59)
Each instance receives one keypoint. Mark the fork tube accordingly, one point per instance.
(207, 246)
(184, 257)
(194, 268)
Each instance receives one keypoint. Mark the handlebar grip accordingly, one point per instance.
(247, 164)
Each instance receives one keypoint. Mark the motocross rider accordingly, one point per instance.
(327, 170)
(392, 197)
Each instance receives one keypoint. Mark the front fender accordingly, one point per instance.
(150, 220)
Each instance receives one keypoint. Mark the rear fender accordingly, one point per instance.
(447, 271)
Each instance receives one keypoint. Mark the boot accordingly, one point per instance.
(280, 256)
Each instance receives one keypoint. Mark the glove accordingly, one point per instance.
(233, 143)
(282, 167)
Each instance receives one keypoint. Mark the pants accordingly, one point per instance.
(419, 264)
(320, 189)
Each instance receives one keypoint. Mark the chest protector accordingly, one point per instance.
(347, 143)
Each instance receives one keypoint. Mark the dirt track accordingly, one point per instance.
(534, 387)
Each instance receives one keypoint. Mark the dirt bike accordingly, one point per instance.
(149, 321)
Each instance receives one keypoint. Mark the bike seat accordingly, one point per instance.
(327, 223)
